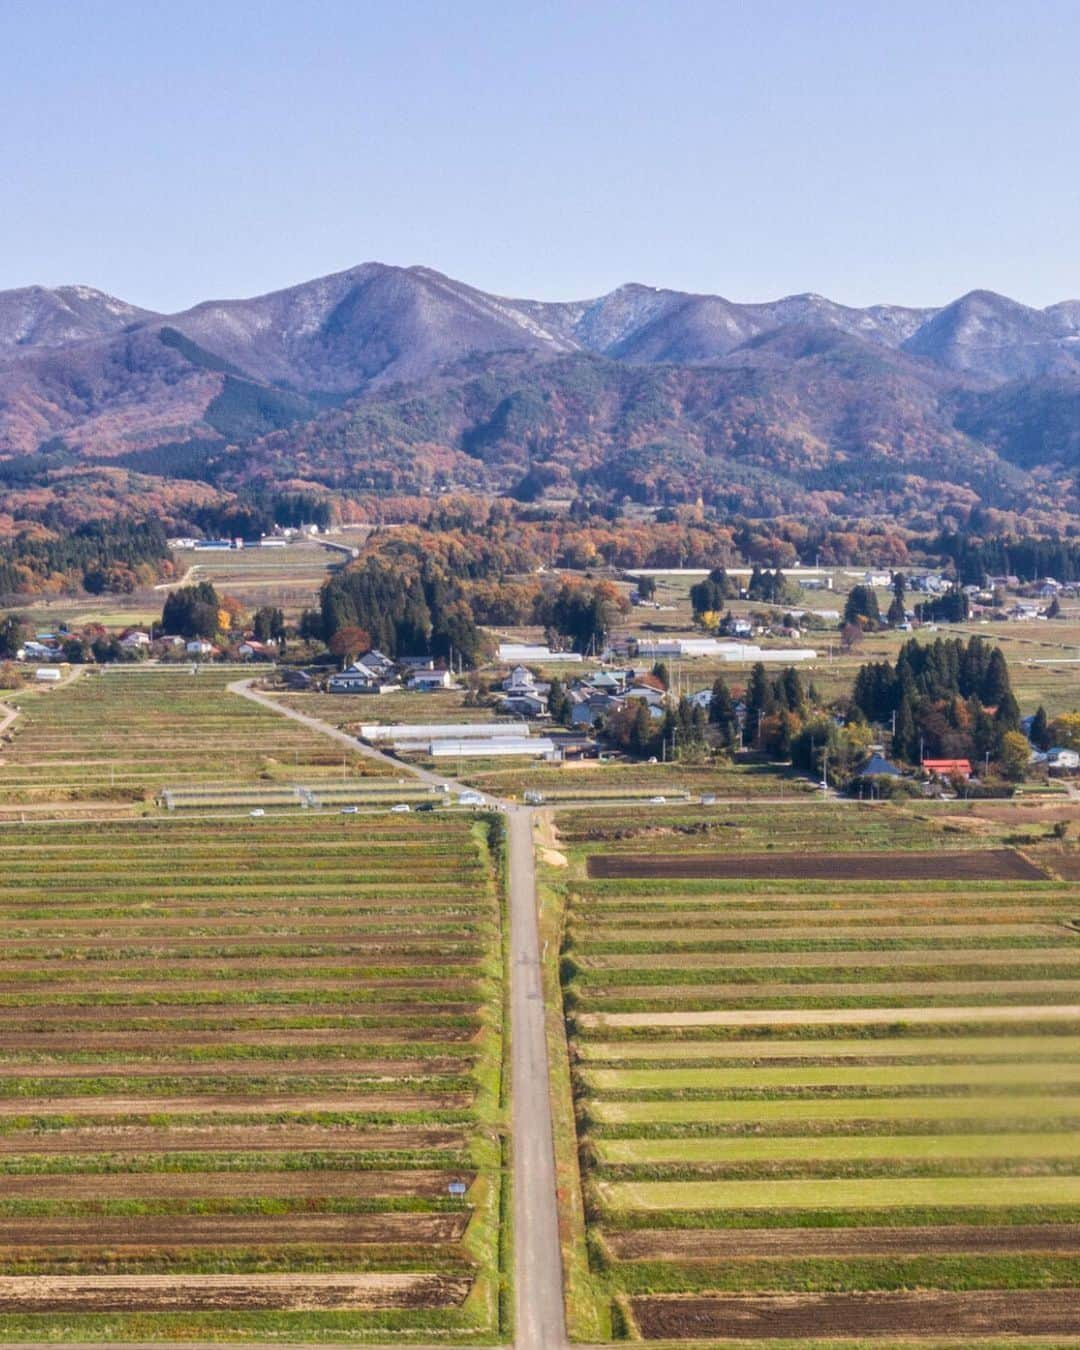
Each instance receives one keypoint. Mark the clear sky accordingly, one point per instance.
(864, 149)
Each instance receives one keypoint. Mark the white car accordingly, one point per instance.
(257, 812)
(349, 810)
(658, 801)
(401, 806)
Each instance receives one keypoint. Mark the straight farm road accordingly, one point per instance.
(540, 1319)
(540, 1322)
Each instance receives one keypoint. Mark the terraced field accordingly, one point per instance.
(122, 734)
(251, 1071)
(808, 1107)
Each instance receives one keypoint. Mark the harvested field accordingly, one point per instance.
(206, 1185)
(244, 1059)
(845, 1148)
(989, 865)
(178, 1139)
(718, 1244)
(771, 1112)
(809, 1054)
(225, 1230)
(196, 1293)
(102, 737)
(840, 1194)
(891, 1047)
(825, 1017)
(390, 1104)
(1045, 1312)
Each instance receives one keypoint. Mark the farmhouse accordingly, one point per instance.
(250, 650)
(359, 679)
(948, 768)
(35, 650)
(877, 766)
(426, 681)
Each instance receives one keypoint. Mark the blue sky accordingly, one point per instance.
(869, 151)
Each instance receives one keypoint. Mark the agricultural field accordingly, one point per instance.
(795, 1100)
(123, 733)
(615, 779)
(288, 578)
(349, 711)
(251, 1077)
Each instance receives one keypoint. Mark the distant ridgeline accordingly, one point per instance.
(114, 556)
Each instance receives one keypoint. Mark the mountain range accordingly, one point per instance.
(384, 378)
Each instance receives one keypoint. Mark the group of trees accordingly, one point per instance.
(861, 608)
(710, 595)
(954, 606)
(582, 613)
(193, 611)
(400, 610)
(679, 733)
(771, 587)
(1027, 559)
(946, 699)
(112, 555)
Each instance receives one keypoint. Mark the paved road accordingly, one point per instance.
(540, 1322)
(539, 1317)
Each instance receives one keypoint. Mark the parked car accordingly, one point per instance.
(257, 812)
(349, 810)
(401, 806)
(426, 806)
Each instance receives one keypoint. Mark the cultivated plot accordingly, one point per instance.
(120, 735)
(822, 1089)
(251, 1075)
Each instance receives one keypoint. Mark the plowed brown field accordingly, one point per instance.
(720, 1244)
(988, 865)
(144, 1234)
(146, 1293)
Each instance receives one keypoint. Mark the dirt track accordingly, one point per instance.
(737, 1244)
(1044, 1312)
(135, 1293)
(984, 865)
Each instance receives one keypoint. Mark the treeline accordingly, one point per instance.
(259, 510)
(1028, 559)
(114, 556)
(433, 604)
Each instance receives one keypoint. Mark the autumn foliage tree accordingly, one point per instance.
(350, 642)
